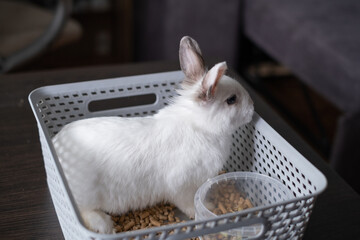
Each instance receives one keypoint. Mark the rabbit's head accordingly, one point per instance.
(220, 101)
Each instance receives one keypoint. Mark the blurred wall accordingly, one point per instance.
(160, 24)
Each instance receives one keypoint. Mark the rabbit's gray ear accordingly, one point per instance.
(191, 60)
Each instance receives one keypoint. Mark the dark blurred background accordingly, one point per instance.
(102, 32)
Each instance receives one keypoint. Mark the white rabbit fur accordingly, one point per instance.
(115, 164)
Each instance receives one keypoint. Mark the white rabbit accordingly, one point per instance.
(116, 164)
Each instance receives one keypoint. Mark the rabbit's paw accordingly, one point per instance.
(186, 206)
(98, 221)
(190, 212)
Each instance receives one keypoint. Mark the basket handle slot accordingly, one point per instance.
(121, 102)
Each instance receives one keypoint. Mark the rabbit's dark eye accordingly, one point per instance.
(231, 100)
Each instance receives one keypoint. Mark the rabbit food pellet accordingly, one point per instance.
(161, 214)
(223, 198)
(226, 198)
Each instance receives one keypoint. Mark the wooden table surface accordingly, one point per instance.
(26, 208)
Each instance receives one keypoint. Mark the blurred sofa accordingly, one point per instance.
(319, 40)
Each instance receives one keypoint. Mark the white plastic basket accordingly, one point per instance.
(256, 147)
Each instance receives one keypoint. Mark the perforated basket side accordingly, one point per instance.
(258, 148)
(63, 206)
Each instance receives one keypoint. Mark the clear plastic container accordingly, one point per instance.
(235, 192)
